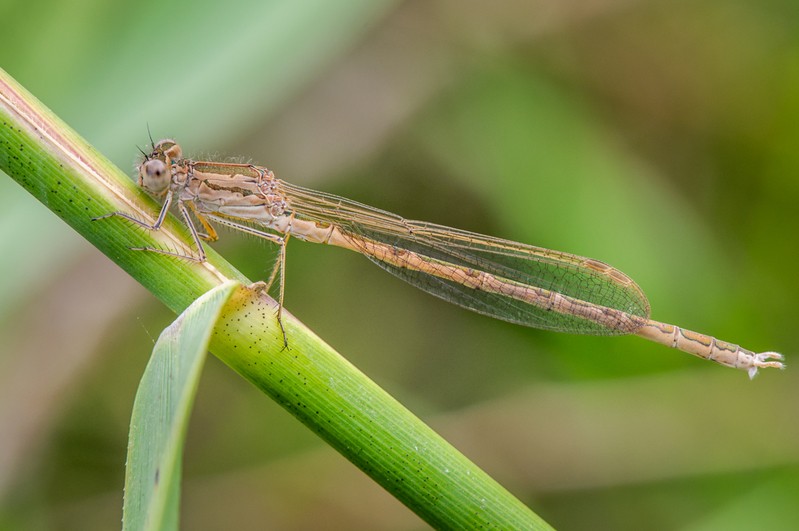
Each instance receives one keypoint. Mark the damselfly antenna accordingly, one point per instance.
(152, 142)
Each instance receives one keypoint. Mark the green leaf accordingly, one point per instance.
(161, 414)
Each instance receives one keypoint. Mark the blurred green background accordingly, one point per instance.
(658, 136)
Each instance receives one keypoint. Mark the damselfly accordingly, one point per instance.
(519, 283)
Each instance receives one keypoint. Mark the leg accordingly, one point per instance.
(157, 225)
(263, 287)
(200, 258)
(210, 232)
(154, 226)
(280, 266)
(274, 238)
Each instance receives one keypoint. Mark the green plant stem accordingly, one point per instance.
(309, 379)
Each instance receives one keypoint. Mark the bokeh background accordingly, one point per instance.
(660, 136)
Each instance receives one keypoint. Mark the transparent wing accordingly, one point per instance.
(510, 262)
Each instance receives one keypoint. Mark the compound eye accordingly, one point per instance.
(154, 176)
(155, 169)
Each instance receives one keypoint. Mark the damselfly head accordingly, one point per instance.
(155, 175)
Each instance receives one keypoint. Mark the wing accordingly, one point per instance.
(512, 263)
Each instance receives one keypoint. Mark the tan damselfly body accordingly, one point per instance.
(507, 280)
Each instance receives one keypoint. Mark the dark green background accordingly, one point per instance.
(660, 137)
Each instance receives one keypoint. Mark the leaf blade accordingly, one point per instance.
(161, 414)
